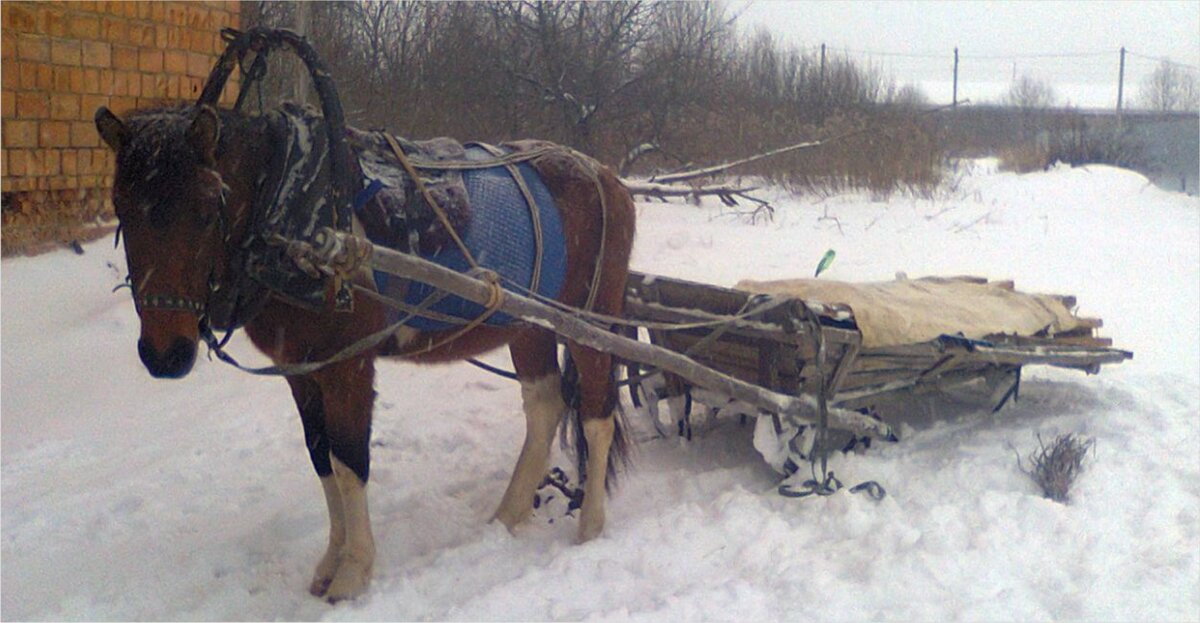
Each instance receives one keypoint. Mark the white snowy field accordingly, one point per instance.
(124, 497)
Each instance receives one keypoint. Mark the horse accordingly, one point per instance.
(188, 196)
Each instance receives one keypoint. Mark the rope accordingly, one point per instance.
(433, 205)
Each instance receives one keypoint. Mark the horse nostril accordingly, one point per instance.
(175, 363)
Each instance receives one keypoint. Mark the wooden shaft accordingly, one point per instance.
(578, 330)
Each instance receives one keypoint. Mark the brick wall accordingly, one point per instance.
(63, 60)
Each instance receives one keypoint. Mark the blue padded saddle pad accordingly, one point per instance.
(500, 237)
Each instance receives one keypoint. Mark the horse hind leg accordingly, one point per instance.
(602, 441)
(534, 356)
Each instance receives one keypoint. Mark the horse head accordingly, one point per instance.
(173, 208)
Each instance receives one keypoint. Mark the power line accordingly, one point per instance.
(1163, 59)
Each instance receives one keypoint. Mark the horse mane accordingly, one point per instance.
(159, 157)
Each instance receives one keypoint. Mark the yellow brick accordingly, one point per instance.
(199, 64)
(124, 57)
(85, 26)
(148, 89)
(88, 104)
(116, 30)
(83, 134)
(20, 162)
(20, 19)
(62, 79)
(31, 48)
(50, 161)
(54, 134)
(8, 104)
(33, 105)
(70, 162)
(150, 60)
(55, 23)
(65, 52)
(10, 72)
(133, 84)
(91, 81)
(97, 54)
(45, 77)
(64, 106)
(106, 81)
(175, 61)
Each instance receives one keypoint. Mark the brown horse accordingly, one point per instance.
(187, 192)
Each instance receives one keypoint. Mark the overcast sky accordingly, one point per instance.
(1073, 46)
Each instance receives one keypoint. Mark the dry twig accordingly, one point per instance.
(1055, 468)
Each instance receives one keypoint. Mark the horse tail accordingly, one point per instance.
(571, 433)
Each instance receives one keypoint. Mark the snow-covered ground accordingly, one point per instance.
(129, 498)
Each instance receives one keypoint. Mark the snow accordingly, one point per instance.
(124, 497)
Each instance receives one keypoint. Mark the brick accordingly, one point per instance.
(65, 52)
(84, 134)
(121, 105)
(85, 26)
(54, 134)
(20, 162)
(124, 57)
(62, 79)
(161, 36)
(200, 42)
(29, 75)
(9, 46)
(133, 84)
(142, 35)
(106, 81)
(45, 77)
(55, 23)
(150, 60)
(89, 103)
(91, 81)
(8, 104)
(116, 30)
(50, 161)
(148, 88)
(20, 19)
(20, 133)
(64, 106)
(175, 61)
(199, 65)
(97, 54)
(33, 105)
(33, 48)
(10, 72)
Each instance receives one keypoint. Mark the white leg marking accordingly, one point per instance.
(337, 538)
(599, 435)
(358, 553)
(542, 400)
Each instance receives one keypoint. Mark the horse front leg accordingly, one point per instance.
(307, 395)
(534, 356)
(337, 431)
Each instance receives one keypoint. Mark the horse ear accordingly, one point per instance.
(204, 132)
(114, 131)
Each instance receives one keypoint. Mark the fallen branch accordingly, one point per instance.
(728, 194)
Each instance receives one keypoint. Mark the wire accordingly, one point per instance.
(1163, 59)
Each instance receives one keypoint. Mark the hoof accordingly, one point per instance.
(589, 530)
(351, 581)
(511, 520)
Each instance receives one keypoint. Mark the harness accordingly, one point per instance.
(313, 185)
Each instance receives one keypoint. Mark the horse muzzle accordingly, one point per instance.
(175, 363)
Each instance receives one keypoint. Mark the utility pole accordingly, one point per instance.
(955, 100)
(300, 79)
(1121, 86)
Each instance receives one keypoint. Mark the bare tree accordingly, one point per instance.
(1170, 87)
(1029, 93)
